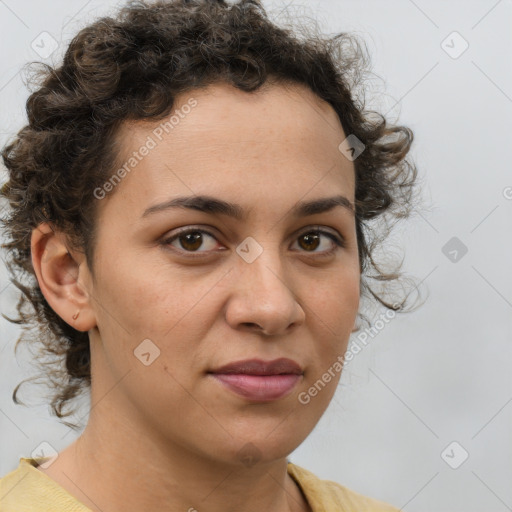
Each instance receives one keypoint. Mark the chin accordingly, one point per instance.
(260, 446)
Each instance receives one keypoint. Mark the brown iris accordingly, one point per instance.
(312, 239)
(193, 240)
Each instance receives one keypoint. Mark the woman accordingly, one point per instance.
(190, 207)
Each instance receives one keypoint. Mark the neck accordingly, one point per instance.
(115, 465)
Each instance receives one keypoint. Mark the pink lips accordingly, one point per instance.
(259, 380)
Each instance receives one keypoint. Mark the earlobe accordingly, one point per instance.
(61, 275)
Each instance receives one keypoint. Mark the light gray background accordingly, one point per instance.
(438, 375)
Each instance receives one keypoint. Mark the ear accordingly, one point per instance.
(64, 277)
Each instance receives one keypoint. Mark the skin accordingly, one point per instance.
(168, 435)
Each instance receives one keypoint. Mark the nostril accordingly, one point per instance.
(250, 324)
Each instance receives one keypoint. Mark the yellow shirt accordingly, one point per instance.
(26, 489)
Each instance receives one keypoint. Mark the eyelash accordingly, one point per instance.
(339, 242)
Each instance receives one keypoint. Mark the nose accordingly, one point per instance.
(263, 299)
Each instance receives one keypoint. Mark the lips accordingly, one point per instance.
(258, 380)
(259, 367)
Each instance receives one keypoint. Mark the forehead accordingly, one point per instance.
(217, 137)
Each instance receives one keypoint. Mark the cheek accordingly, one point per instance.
(336, 300)
(171, 308)
(332, 312)
(144, 298)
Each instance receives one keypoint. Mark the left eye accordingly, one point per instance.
(191, 240)
(312, 238)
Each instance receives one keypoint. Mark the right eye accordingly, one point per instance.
(190, 240)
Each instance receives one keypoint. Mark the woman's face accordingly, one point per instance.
(170, 310)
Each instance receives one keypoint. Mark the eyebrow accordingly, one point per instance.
(212, 205)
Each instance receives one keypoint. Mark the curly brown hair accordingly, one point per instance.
(132, 67)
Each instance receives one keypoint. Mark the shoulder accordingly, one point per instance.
(329, 496)
(26, 489)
